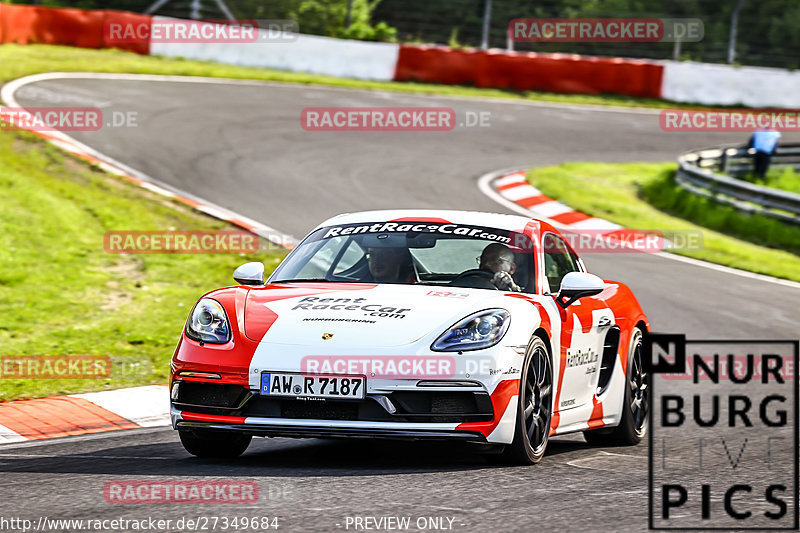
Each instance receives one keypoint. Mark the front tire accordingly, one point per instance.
(214, 444)
(535, 406)
(635, 409)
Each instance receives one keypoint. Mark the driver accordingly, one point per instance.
(499, 259)
(390, 265)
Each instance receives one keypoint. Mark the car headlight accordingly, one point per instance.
(208, 323)
(480, 330)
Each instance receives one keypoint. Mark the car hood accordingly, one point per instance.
(336, 316)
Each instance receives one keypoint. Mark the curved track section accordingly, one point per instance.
(240, 145)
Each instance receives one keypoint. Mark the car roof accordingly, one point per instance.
(473, 218)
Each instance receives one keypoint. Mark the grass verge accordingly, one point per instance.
(782, 178)
(645, 196)
(62, 294)
(23, 60)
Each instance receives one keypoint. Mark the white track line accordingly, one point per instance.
(485, 186)
(7, 95)
(382, 92)
(70, 144)
(67, 456)
(71, 439)
(146, 406)
(7, 435)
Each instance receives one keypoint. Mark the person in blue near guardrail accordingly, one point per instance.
(765, 142)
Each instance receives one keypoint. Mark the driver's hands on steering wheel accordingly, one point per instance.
(503, 280)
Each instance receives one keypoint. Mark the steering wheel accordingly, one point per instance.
(474, 278)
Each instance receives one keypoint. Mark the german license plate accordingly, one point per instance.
(312, 386)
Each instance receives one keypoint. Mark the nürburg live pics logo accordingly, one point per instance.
(724, 434)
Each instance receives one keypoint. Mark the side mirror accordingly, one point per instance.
(250, 274)
(577, 285)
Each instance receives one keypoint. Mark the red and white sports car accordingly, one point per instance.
(415, 324)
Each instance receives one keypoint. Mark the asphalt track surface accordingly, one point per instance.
(241, 146)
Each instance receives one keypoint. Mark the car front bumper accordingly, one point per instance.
(472, 415)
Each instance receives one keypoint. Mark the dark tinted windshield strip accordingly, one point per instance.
(457, 230)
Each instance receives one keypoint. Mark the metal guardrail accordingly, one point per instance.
(714, 172)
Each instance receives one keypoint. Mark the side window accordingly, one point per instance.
(558, 260)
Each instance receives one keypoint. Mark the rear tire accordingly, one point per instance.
(535, 406)
(633, 426)
(214, 444)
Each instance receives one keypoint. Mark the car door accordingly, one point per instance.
(584, 324)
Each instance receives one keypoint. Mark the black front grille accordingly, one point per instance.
(410, 406)
(210, 394)
(443, 402)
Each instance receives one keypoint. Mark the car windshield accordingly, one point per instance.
(410, 253)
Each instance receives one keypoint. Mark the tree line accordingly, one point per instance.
(768, 30)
